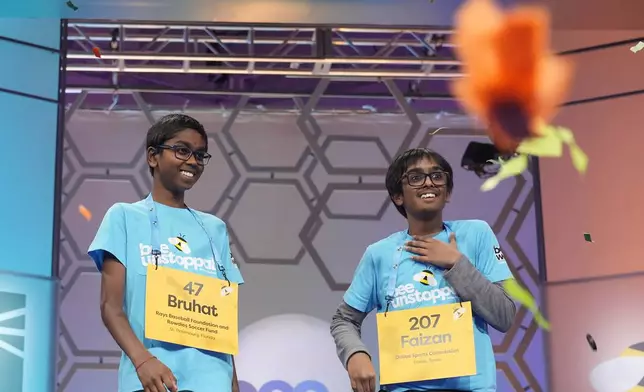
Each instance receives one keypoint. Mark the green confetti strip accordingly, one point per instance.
(588, 238)
(523, 296)
(549, 145)
(638, 47)
(510, 168)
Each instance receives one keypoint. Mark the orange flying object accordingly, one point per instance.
(514, 82)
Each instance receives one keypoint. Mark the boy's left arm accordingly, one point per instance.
(234, 275)
(235, 381)
(232, 269)
(479, 281)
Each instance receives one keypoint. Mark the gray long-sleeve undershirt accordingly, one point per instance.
(489, 302)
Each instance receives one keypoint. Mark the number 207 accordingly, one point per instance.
(424, 322)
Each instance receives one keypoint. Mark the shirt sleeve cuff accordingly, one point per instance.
(355, 350)
(464, 278)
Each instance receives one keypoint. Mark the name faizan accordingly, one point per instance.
(192, 306)
(424, 340)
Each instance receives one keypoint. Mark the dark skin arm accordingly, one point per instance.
(114, 318)
(153, 374)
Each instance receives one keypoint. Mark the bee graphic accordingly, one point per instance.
(426, 278)
(458, 312)
(180, 243)
(226, 291)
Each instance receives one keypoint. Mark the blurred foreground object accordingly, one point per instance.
(514, 82)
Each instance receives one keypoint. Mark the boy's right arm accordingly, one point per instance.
(112, 314)
(109, 253)
(346, 328)
(154, 376)
(346, 324)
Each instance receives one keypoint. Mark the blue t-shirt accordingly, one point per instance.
(126, 233)
(421, 285)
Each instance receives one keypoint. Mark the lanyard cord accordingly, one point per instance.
(155, 237)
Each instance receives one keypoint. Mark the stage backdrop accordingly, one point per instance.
(303, 197)
(596, 288)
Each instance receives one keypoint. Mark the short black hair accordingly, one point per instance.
(400, 164)
(168, 126)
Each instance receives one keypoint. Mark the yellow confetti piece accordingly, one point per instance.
(523, 296)
(577, 155)
(638, 47)
(509, 168)
(87, 214)
(548, 145)
(579, 158)
(564, 134)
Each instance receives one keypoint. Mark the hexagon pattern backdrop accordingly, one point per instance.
(303, 195)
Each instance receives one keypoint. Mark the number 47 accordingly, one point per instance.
(193, 288)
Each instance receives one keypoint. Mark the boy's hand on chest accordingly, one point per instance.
(434, 252)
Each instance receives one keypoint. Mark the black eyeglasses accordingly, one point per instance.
(418, 179)
(184, 153)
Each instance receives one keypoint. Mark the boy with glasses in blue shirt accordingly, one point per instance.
(436, 288)
(168, 282)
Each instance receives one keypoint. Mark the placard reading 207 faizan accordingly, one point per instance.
(191, 310)
(426, 344)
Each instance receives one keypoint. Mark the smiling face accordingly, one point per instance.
(175, 173)
(424, 189)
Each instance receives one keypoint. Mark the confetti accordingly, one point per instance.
(578, 156)
(521, 67)
(503, 54)
(510, 168)
(588, 238)
(638, 47)
(436, 131)
(97, 52)
(72, 6)
(523, 296)
(548, 145)
(591, 342)
(87, 214)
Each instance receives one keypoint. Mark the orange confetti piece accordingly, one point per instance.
(87, 214)
(514, 81)
(97, 52)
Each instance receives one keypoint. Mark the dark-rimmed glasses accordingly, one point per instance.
(418, 179)
(184, 153)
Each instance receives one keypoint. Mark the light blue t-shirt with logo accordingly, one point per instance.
(126, 233)
(421, 285)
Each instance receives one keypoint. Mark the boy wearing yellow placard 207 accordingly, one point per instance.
(436, 288)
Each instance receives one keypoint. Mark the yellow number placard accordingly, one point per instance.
(191, 310)
(426, 343)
